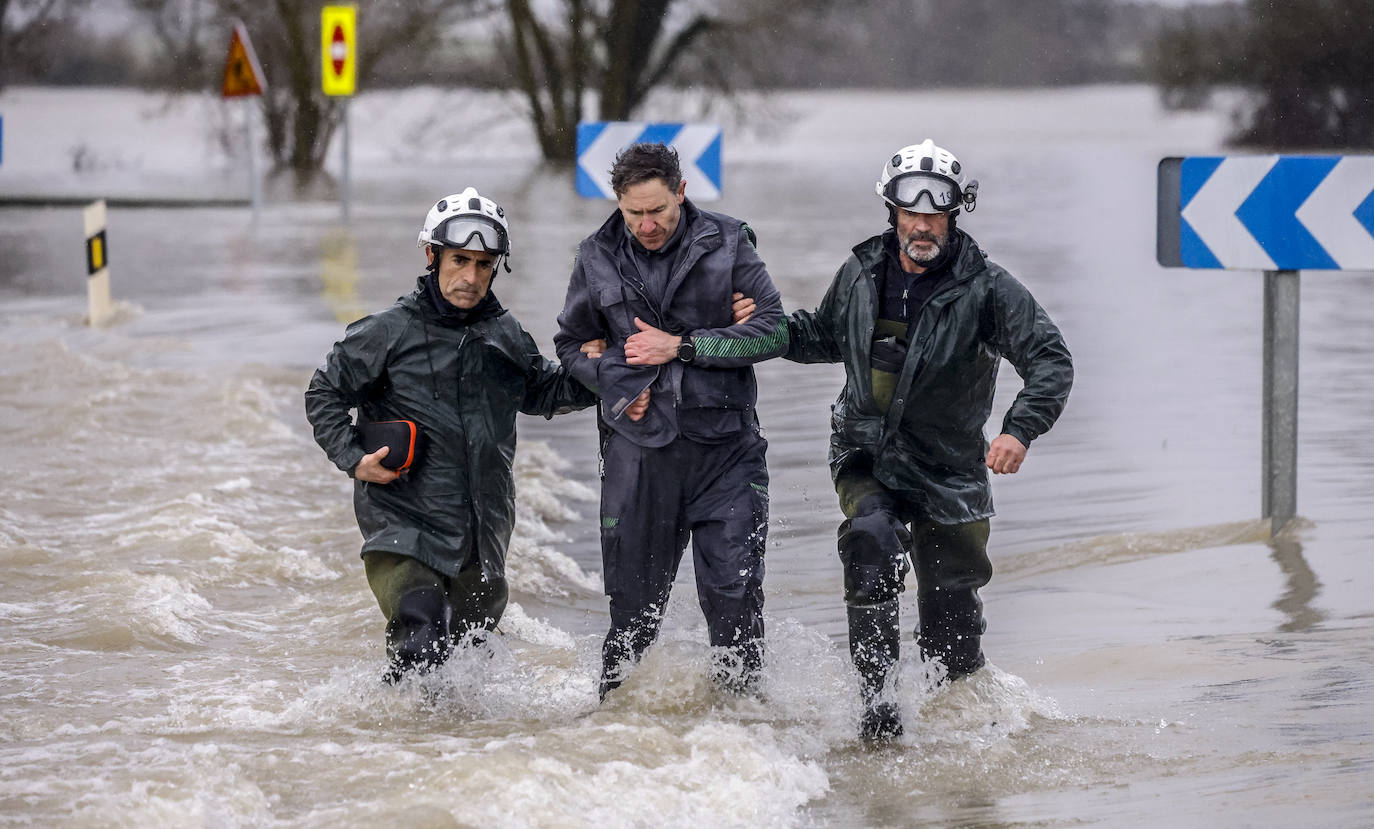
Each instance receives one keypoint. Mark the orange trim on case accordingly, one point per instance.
(410, 451)
(410, 455)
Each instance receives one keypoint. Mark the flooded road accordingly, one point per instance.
(188, 637)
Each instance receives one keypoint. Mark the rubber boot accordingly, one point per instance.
(613, 670)
(951, 630)
(874, 644)
(418, 637)
(622, 649)
(736, 668)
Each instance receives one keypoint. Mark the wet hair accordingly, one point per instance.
(645, 162)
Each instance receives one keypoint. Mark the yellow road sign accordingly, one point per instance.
(242, 73)
(338, 49)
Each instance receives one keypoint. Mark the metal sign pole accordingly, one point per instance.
(1279, 484)
(254, 184)
(244, 78)
(339, 76)
(347, 153)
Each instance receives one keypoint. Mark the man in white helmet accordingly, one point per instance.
(921, 318)
(437, 380)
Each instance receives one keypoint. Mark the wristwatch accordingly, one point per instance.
(686, 350)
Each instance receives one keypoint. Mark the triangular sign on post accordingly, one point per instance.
(242, 73)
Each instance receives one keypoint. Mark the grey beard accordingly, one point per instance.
(922, 257)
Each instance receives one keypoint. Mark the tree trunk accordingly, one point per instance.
(552, 85)
(4, 45)
(632, 29)
(301, 82)
(624, 56)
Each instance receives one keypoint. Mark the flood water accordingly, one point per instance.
(189, 640)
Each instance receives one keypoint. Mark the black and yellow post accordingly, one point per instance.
(95, 254)
(99, 307)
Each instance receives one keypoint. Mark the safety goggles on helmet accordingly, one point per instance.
(470, 232)
(923, 192)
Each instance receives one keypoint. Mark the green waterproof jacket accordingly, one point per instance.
(930, 440)
(462, 384)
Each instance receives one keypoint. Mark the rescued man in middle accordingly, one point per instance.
(681, 449)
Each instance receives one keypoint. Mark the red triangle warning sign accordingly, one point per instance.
(242, 74)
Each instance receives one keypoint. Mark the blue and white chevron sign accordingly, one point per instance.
(1267, 212)
(697, 145)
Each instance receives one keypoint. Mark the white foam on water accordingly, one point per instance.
(537, 463)
(515, 622)
(510, 733)
(201, 785)
(114, 610)
(139, 783)
(541, 570)
(713, 774)
(534, 565)
(294, 565)
(194, 513)
(163, 607)
(976, 711)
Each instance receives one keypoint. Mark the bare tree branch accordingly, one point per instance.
(682, 42)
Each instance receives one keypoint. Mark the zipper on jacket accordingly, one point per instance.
(629, 322)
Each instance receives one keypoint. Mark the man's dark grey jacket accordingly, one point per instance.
(709, 399)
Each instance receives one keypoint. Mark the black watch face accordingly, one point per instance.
(686, 351)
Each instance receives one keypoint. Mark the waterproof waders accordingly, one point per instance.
(652, 499)
(951, 564)
(427, 612)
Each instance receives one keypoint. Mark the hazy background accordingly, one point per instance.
(1302, 71)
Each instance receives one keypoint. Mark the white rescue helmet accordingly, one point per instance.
(924, 178)
(469, 221)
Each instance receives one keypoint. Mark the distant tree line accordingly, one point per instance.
(974, 43)
(1309, 63)
(32, 32)
(1307, 66)
(177, 44)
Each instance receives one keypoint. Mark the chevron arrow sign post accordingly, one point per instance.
(697, 145)
(1280, 214)
(1267, 212)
